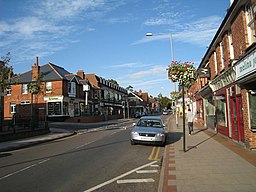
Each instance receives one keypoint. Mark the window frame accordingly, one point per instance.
(48, 87)
(13, 108)
(24, 89)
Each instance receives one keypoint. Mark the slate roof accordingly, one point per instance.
(50, 72)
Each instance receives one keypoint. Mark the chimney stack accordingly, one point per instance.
(81, 74)
(35, 71)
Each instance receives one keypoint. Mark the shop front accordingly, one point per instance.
(208, 112)
(60, 106)
(246, 79)
(227, 98)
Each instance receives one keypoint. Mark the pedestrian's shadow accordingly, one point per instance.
(202, 142)
(199, 130)
(173, 137)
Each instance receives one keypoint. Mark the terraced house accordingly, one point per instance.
(51, 92)
(225, 100)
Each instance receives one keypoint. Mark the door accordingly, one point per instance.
(234, 121)
(240, 121)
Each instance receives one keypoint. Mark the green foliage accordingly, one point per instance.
(165, 102)
(5, 71)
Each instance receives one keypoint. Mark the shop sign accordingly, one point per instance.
(246, 66)
(228, 77)
(53, 98)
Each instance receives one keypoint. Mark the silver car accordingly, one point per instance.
(149, 129)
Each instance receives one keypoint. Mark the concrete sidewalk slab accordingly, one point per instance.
(207, 165)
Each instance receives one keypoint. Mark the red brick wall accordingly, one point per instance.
(239, 34)
(212, 67)
(219, 66)
(17, 97)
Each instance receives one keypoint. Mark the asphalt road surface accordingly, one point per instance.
(95, 161)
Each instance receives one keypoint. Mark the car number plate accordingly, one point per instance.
(146, 138)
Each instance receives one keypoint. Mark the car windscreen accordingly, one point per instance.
(150, 123)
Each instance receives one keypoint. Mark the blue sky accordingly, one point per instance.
(107, 37)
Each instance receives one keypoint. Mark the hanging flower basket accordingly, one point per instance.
(184, 73)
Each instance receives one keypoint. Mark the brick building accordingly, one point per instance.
(226, 100)
(47, 90)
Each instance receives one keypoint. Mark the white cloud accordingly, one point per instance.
(46, 25)
(199, 32)
(130, 65)
(59, 9)
(153, 72)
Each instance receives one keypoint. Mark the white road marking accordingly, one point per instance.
(154, 165)
(118, 177)
(11, 174)
(84, 145)
(150, 180)
(146, 171)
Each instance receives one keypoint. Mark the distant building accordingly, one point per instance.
(48, 90)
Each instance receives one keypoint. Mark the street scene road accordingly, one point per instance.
(101, 160)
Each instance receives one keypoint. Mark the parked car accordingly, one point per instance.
(139, 114)
(165, 112)
(149, 129)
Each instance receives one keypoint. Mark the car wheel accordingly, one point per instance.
(132, 142)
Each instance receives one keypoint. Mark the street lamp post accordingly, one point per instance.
(172, 53)
(184, 118)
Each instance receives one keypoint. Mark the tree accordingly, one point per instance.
(5, 73)
(165, 102)
(113, 81)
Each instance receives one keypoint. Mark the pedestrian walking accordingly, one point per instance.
(190, 119)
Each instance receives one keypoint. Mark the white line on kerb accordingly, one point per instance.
(119, 177)
(11, 174)
(150, 180)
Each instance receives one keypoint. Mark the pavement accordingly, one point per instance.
(210, 163)
(57, 132)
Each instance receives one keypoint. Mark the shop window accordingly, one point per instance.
(77, 110)
(221, 110)
(54, 108)
(65, 108)
(252, 104)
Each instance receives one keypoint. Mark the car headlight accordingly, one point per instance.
(135, 133)
(160, 134)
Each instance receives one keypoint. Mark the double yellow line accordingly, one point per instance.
(154, 154)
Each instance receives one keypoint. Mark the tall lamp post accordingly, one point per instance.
(172, 52)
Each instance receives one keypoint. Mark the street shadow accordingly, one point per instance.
(72, 151)
(199, 130)
(200, 143)
(173, 137)
(5, 155)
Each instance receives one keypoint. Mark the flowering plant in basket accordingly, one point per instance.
(182, 72)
